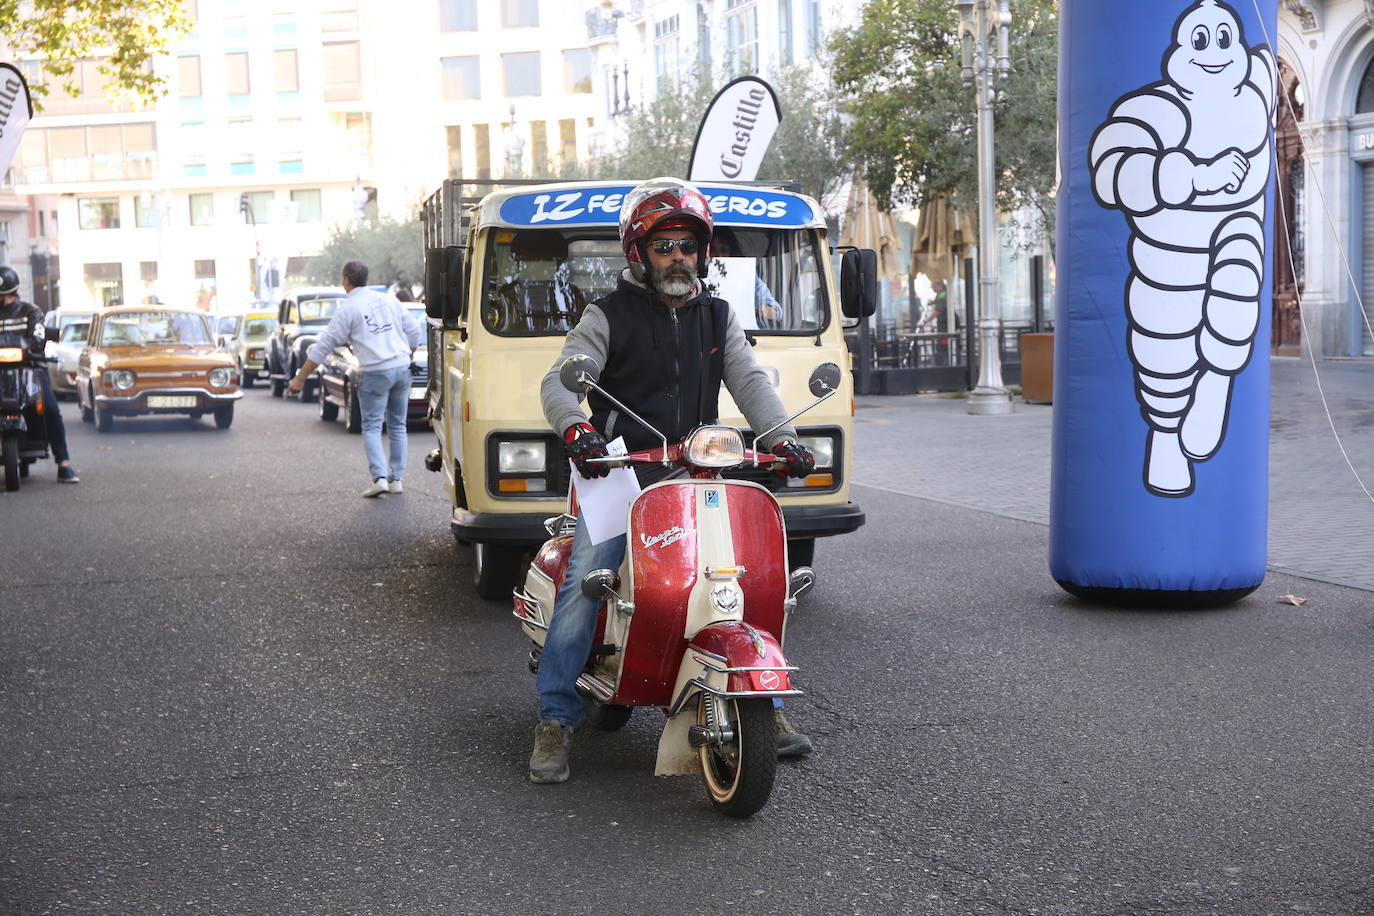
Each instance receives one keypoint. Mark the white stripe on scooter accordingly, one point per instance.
(715, 547)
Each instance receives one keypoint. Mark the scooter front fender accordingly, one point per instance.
(732, 658)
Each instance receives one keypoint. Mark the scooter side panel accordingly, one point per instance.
(663, 555)
(760, 544)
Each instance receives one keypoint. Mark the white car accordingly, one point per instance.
(67, 351)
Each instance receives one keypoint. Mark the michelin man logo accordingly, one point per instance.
(1187, 161)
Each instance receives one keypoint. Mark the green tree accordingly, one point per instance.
(914, 132)
(659, 135)
(124, 35)
(393, 252)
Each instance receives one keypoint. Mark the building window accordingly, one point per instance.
(288, 72)
(98, 212)
(260, 207)
(666, 49)
(521, 72)
(519, 14)
(89, 82)
(242, 167)
(785, 32)
(454, 136)
(457, 15)
(188, 76)
(148, 211)
(567, 141)
(307, 205)
(481, 136)
(539, 147)
(202, 209)
(194, 170)
(813, 25)
(236, 73)
(342, 71)
(742, 37)
(291, 166)
(147, 270)
(205, 285)
(339, 16)
(577, 70)
(462, 78)
(105, 282)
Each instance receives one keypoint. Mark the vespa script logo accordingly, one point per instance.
(663, 539)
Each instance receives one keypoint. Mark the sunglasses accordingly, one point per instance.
(665, 247)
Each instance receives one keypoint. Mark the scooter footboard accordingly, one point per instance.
(733, 659)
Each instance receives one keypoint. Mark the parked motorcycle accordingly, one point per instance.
(22, 433)
(693, 620)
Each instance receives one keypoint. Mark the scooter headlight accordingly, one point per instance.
(726, 598)
(11, 355)
(219, 378)
(120, 379)
(715, 447)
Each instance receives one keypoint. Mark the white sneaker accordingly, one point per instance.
(379, 486)
(396, 487)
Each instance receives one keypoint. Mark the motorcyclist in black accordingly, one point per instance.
(26, 320)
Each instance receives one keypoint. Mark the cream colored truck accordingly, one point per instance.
(509, 273)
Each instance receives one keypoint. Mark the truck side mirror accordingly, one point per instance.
(444, 285)
(859, 282)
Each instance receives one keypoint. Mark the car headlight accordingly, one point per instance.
(822, 447)
(714, 447)
(219, 378)
(525, 456)
(121, 379)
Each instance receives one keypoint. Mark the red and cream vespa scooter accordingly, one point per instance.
(693, 621)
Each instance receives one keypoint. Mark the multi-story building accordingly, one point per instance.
(285, 119)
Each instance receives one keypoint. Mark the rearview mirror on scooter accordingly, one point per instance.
(825, 378)
(578, 373)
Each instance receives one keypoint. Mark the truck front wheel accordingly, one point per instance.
(495, 569)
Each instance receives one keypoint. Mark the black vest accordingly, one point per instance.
(664, 364)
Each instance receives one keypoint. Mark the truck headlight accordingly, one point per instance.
(120, 379)
(822, 447)
(219, 378)
(522, 456)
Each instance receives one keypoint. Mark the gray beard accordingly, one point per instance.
(675, 286)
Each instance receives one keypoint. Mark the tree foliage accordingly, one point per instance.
(392, 251)
(914, 129)
(125, 35)
(659, 134)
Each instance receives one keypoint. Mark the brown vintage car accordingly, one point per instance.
(143, 359)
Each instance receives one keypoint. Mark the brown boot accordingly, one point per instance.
(549, 760)
(791, 743)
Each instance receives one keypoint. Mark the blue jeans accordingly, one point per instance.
(573, 627)
(385, 395)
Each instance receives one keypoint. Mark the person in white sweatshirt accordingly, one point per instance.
(383, 335)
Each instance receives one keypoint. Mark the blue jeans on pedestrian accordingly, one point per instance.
(384, 394)
(573, 628)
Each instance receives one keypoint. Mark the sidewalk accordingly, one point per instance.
(1321, 523)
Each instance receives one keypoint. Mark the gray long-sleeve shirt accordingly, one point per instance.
(381, 331)
(746, 381)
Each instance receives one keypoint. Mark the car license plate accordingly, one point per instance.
(188, 400)
(417, 393)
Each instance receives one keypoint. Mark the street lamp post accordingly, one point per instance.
(980, 23)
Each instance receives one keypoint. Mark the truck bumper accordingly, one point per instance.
(516, 530)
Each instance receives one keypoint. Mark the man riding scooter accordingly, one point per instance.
(666, 346)
(25, 320)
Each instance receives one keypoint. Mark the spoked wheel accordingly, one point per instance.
(738, 770)
(11, 463)
(605, 717)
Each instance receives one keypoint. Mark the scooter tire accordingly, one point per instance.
(739, 774)
(11, 449)
(605, 717)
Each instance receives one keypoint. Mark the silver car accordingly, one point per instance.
(67, 351)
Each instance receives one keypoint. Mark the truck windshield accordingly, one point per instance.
(538, 281)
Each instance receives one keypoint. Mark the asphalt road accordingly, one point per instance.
(230, 685)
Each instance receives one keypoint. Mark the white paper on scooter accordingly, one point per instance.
(604, 502)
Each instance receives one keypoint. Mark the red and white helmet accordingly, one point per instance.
(663, 203)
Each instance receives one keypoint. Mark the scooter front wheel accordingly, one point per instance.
(740, 767)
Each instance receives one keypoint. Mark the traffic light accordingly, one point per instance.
(243, 202)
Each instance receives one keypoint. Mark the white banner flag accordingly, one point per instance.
(15, 111)
(735, 132)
